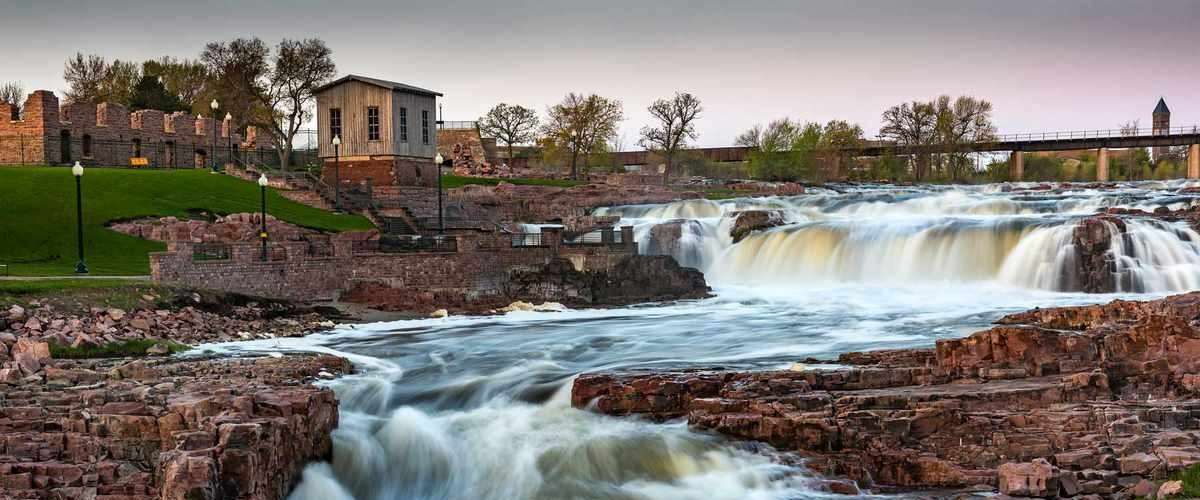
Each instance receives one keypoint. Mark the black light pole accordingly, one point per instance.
(262, 233)
(337, 175)
(438, 161)
(77, 171)
(229, 138)
(214, 105)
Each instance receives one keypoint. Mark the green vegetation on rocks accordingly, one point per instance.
(140, 347)
(38, 221)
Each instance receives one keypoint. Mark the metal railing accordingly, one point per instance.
(522, 240)
(1069, 135)
(457, 125)
(211, 251)
(406, 244)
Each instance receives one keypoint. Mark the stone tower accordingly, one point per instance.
(1161, 125)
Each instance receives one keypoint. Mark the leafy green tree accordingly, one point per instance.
(582, 125)
(149, 93)
(511, 123)
(186, 79)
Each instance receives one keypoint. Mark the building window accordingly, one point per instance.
(424, 127)
(373, 123)
(87, 145)
(137, 148)
(403, 124)
(335, 123)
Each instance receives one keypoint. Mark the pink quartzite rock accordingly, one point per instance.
(1086, 400)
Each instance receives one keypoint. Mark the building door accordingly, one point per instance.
(64, 147)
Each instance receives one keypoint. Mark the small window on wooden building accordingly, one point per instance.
(335, 122)
(403, 124)
(424, 127)
(373, 123)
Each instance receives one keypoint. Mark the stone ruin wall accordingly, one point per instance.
(113, 131)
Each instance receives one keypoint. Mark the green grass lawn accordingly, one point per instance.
(37, 214)
(457, 181)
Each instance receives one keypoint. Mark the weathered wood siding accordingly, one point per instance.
(415, 104)
(353, 98)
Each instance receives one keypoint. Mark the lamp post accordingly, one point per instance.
(337, 175)
(214, 105)
(437, 160)
(262, 233)
(229, 137)
(77, 171)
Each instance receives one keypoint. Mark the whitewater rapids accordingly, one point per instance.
(478, 407)
(929, 235)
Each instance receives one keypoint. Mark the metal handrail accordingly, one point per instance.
(1077, 134)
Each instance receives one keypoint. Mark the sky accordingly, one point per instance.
(1046, 65)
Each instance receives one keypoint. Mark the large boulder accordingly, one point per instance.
(636, 279)
(749, 221)
(1032, 479)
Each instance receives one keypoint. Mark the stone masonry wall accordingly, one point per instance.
(479, 267)
(381, 171)
(106, 134)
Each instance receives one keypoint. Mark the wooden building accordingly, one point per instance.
(388, 131)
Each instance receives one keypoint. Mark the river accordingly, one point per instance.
(478, 407)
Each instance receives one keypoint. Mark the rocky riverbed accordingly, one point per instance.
(1100, 401)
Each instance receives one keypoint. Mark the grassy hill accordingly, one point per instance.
(37, 214)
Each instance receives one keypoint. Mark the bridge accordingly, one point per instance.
(1018, 144)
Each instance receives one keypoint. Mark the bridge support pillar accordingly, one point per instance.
(1193, 161)
(1017, 163)
(1102, 165)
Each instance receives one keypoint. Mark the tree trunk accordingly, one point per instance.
(666, 176)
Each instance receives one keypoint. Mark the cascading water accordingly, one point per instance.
(476, 407)
(949, 235)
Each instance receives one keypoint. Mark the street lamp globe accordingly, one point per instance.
(262, 180)
(438, 159)
(77, 170)
(228, 117)
(337, 140)
(214, 105)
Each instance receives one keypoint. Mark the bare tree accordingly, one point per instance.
(913, 125)
(85, 78)
(512, 124)
(583, 124)
(961, 122)
(676, 125)
(1130, 128)
(272, 95)
(13, 94)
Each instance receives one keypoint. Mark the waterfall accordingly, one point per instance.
(1021, 239)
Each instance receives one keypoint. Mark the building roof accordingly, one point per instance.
(397, 86)
(1162, 107)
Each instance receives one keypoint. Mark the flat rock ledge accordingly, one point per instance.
(1093, 402)
(165, 428)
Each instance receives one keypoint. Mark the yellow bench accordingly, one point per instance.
(139, 162)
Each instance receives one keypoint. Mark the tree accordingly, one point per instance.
(149, 93)
(512, 124)
(583, 125)
(85, 78)
(911, 125)
(186, 79)
(13, 94)
(961, 122)
(272, 95)
(783, 151)
(91, 79)
(676, 125)
(839, 140)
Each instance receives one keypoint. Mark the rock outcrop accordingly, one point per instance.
(636, 279)
(749, 221)
(1092, 400)
(230, 228)
(165, 429)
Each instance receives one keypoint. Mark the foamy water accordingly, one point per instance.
(477, 407)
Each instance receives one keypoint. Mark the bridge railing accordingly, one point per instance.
(1095, 134)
